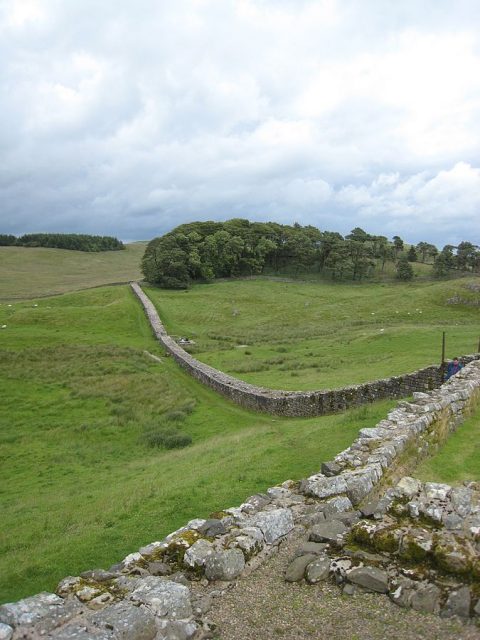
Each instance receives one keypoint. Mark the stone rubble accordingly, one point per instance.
(365, 528)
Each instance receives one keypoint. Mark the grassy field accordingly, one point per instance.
(458, 459)
(309, 336)
(79, 488)
(35, 272)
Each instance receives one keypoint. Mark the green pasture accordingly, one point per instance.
(34, 272)
(459, 457)
(301, 335)
(79, 489)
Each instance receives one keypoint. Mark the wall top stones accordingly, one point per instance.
(291, 403)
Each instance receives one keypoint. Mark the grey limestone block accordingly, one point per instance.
(317, 570)
(224, 565)
(327, 531)
(212, 528)
(316, 548)
(437, 490)
(426, 598)
(339, 504)
(323, 487)
(197, 554)
(452, 521)
(257, 501)
(126, 621)
(330, 469)
(176, 630)
(461, 498)
(6, 631)
(409, 487)
(81, 631)
(370, 578)
(163, 597)
(274, 524)
(296, 569)
(359, 485)
(458, 603)
(30, 610)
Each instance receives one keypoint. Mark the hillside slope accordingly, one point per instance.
(37, 272)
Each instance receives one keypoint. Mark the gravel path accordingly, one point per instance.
(262, 606)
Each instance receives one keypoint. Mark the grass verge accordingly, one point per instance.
(459, 458)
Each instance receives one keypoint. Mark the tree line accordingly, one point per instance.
(74, 241)
(202, 251)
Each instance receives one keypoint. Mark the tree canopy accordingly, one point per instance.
(74, 241)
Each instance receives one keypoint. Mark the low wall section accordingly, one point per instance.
(292, 403)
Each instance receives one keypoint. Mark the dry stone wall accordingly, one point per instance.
(291, 403)
(165, 589)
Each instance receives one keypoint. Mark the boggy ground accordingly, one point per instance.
(264, 606)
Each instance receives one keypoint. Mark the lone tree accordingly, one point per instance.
(398, 244)
(412, 254)
(404, 269)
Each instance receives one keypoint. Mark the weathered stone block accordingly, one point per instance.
(426, 598)
(409, 487)
(322, 487)
(296, 569)
(196, 555)
(330, 469)
(224, 565)
(126, 622)
(164, 598)
(30, 610)
(370, 578)
(274, 524)
(458, 604)
(6, 631)
(317, 570)
(327, 531)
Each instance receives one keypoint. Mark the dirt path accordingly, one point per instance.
(263, 606)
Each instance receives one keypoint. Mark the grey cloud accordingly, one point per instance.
(129, 120)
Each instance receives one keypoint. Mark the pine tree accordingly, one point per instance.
(404, 269)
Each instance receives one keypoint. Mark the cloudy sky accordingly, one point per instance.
(127, 118)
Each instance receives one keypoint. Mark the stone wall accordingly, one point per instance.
(292, 403)
(164, 590)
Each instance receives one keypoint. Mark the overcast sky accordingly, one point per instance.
(127, 118)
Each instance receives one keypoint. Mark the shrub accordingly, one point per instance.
(167, 438)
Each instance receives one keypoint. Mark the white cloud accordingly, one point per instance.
(441, 206)
(131, 119)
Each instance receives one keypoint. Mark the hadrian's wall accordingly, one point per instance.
(356, 532)
(292, 403)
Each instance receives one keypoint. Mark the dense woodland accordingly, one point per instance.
(74, 241)
(202, 251)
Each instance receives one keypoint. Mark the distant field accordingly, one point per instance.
(79, 488)
(298, 335)
(34, 272)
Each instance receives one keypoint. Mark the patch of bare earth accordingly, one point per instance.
(263, 606)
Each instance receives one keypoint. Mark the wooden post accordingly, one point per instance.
(442, 366)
